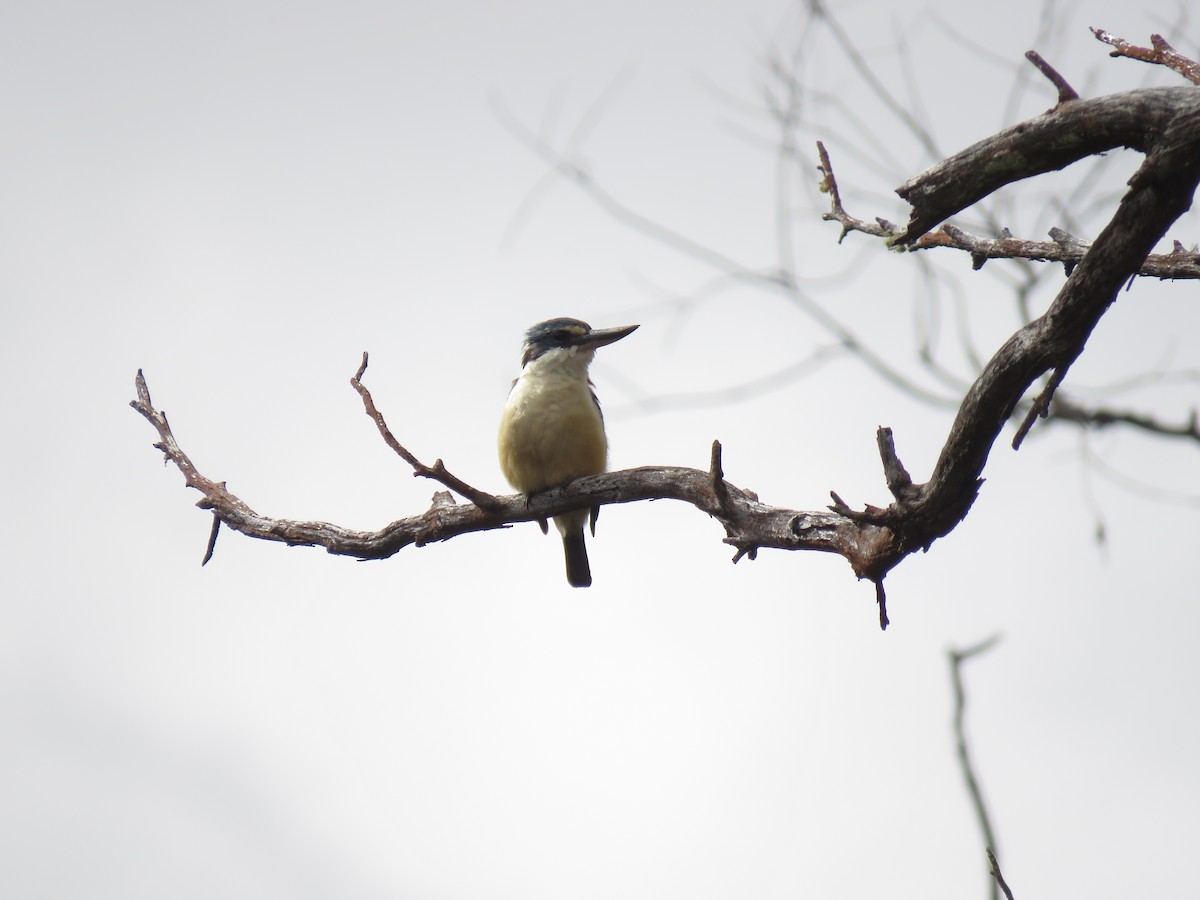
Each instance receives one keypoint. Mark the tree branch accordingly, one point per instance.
(957, 658)
(748, 523)
(1163, 123)
(1162, 54)
(437, 471)
(1063, 246)
(1052, 141)
(994, 870)
(1070, 411)
(1066, 93)
(837, 212)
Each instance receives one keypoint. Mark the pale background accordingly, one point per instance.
(242, 197)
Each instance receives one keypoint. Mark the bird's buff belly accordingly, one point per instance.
(545, 444)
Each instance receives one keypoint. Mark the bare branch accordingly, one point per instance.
(899, 482)
(957, 658)
(1174, 495)
(1163, 123)
(1069, 411)
(1160, 191)
(749, 524)
(717, 475)
(645, 403)
(212, 540)
(1168, 129)
(837, 212)
(1049, 142)
(1063, 247)
(571, 169)
(1066, 93)
(1040, 407)
(878, 86)
(1161, 53)
(437, 471)
(783, 280)
(994, 870)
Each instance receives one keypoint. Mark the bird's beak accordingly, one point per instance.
(598, 337)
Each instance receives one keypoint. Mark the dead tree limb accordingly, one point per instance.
(957, 658)
(437, 471)
(1161, 53)
(1163, 123)
(748, 523)
(1064, 247)
(994, 871)
(1065, 134)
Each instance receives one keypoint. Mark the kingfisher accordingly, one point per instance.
(552, 430)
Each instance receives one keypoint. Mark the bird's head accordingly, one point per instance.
(571, 336)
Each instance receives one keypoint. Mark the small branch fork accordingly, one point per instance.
(1160, 53)
(1164, 124)
(1063, 247)
(837, 213)
(437, 471)
(994, 871)
(1180, 264)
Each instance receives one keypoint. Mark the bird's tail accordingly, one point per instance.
(579, 573)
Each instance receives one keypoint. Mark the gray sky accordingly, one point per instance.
(241, 198)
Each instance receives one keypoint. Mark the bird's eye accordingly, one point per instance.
(561, 336)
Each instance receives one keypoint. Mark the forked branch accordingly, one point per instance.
(749, 524)
(1163, 123)
(1160, 53)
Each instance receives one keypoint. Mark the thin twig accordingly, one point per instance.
(212, 540)
(994, 870)
(749, 524)
(957, 658)
(878, 86)
(717, 474)
(1161, 53)
(642, 403)
(1180, 264)
(437, 471)
(1040, 407)
(1069, 411)
(837, 212)
(1066, 93)
(899, 482)
(785, 281)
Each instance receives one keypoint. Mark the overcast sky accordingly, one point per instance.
(240, 198)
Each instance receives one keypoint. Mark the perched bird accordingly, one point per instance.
(552, 430)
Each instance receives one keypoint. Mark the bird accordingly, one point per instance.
(552, 430)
